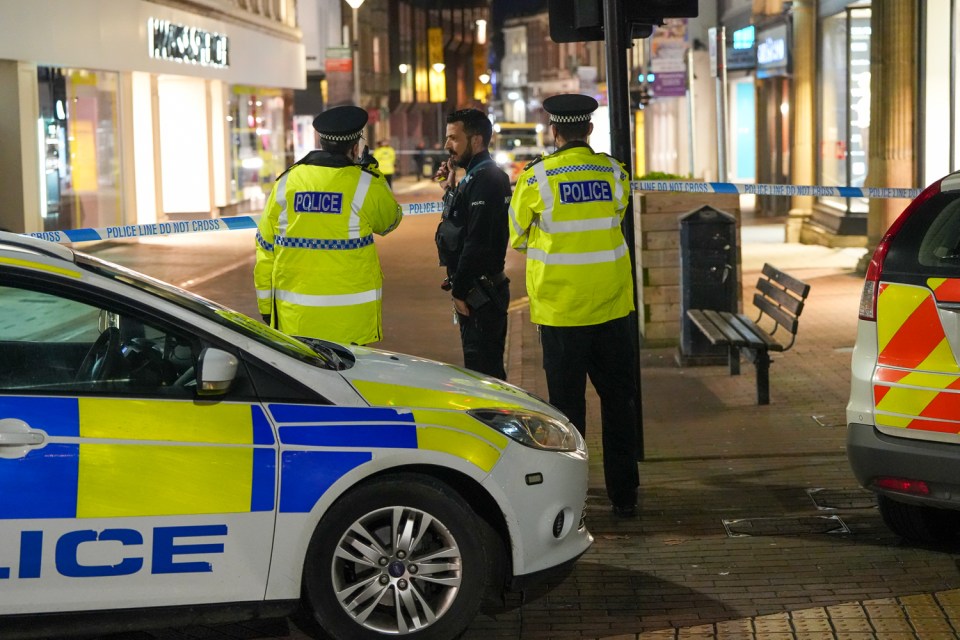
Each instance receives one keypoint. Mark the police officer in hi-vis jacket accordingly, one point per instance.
(317, 273)
(565, 215)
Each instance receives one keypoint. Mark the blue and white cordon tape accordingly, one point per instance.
(234, 223)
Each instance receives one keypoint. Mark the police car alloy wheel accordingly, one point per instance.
(403, 555)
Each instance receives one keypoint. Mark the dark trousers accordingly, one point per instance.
(604, 352)
(483, 334)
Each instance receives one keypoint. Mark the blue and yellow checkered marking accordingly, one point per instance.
(316, 243)
(575, 168)
(138, 458)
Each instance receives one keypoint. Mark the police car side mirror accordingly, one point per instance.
(216, 371)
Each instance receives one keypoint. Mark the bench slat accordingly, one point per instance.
(799, 287)
(788, 322)
(753, 339)
(769, 342)
(785, 300)
(710, 330)
(733, 336)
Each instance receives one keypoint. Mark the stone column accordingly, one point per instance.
(894, 82)
(803, 108)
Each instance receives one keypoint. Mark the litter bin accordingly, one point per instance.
(708, 279)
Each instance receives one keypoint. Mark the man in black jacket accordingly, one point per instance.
(472, 241)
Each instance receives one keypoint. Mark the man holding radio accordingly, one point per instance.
(472, 241)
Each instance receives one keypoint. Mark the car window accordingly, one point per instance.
(50, 343)
(928, 243)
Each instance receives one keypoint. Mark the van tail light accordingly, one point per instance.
(871, 284)
(902, 485)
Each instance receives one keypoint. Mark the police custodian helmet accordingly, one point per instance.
(569, 107)
(341, 124)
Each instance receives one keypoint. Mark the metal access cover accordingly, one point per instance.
(785, 526)
(826, 499)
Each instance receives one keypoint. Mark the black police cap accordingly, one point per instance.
(570, 107)
(341, 124)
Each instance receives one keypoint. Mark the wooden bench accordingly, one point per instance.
(780, 298)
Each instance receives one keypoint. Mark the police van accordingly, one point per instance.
(903, 436)
(161, 454)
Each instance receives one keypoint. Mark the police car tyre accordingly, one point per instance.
(102, 358)
(919, 523)
(402, 555)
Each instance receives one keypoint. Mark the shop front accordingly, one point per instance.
(843, 115)
(135, 112)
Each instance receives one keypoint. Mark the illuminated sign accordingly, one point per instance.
(772, 51)
(180, 43)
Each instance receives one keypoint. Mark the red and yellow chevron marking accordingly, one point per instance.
(917, 380)
(909, 332)
(945, 289)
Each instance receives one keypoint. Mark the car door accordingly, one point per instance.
(120, 486)
(917, 378)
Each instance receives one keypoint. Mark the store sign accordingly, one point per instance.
(743, 53)
(772, 51)
(180, 43)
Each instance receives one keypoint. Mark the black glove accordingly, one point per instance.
(266, 318)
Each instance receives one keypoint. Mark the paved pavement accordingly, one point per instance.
(751, 524)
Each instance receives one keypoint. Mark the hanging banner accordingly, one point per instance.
(668, 48)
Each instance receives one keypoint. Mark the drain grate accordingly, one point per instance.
(785, 526)
(827, 499)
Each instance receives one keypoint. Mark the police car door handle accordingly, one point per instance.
(17, 433)
(949, 306)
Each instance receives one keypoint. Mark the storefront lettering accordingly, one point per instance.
(180, 43)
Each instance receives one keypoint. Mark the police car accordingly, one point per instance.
(903, 437)
(162, 454)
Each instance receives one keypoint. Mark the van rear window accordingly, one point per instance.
(928, 243)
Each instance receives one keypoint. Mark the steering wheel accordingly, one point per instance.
(103, 358)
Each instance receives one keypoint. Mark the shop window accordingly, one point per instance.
(259, 143)
(845, 104)
(79, 124)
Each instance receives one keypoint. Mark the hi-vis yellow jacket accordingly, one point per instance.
(317, 271)
(565, 214)
(386, 159)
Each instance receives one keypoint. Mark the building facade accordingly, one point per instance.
(128, 111)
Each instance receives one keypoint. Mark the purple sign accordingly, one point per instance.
(670, 84)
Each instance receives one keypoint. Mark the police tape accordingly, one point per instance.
(171, 228)
(772, 189)
(234, 223)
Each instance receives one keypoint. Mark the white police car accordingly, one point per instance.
(903, 417)
(160, 453)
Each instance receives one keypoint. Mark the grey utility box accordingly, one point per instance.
(708, 279)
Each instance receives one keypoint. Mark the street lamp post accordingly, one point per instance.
(438, 67)
(355, 36)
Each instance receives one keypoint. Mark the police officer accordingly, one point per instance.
(472, 241)
(565, 214)
(386, 160)
(317, 272)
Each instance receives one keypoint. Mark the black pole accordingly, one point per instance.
(618, 99)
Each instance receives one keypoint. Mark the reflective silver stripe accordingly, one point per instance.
(339, 300)
(617, 172)
(590, 257)
(513, 220)
(589, 224)
(353, 230)
(282, 203)
(546, 194)
(264, 294)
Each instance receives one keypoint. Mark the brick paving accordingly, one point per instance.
(820, 564)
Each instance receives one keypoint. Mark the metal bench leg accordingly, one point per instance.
(763, 376)
(733, 357)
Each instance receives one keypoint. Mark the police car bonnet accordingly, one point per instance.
(570, 107)
(341, 124)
